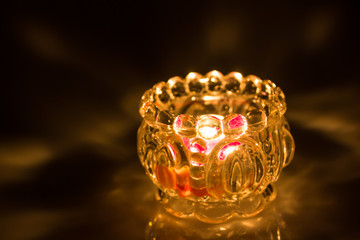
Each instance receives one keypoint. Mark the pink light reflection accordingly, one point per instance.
(227, 149)
(186, 142)
(197, 148)
(236, 122)
(196, 164)
(210, 144)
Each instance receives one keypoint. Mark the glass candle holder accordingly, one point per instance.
(213, 144)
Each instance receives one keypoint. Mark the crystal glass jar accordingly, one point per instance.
(213, 144)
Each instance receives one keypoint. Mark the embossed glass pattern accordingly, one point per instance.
(213, 144)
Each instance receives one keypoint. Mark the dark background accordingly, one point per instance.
(73, 75)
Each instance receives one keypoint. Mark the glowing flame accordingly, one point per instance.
(208, 132)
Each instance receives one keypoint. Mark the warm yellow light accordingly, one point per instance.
(158, 91)
(202, 138)
(208, 132)
(203, 80)
(209, 98)
(171, 82)
(238, 75)
(215, 73)
(191, 75)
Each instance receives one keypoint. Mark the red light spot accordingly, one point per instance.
(195, 147)
(236, 122)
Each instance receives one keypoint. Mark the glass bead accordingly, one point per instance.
(165, 118)
(197, 170)
(273, 113)
(161, 92)
(280, 100)
(289, 146)
(214, 81)
(232, 82)
(266, 91)
(151, 114)
(234, 124)
(250, 85)
(185, 125)
(145, 102)
(256, 119)
(198, 145)
(177, 86)
(195, 82)
(209, 127)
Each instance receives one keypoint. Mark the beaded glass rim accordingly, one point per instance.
(159, 104)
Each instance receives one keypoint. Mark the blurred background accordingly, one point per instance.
(73, 75)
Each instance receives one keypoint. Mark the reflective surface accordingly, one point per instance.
(71, 82)
(267, 225)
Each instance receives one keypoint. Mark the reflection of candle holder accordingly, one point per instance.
(214, 144)
(268, 224)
